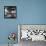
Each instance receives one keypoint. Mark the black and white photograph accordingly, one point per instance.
(9, 11)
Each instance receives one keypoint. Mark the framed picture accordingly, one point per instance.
(32, 32)
(10, 12)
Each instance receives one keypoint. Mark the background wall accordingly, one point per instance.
(28, 12)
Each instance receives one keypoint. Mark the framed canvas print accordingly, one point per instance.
(9, 11)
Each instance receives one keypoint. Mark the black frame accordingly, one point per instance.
(10, 8)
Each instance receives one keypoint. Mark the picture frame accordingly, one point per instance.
(10, 12)
(34, 30)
